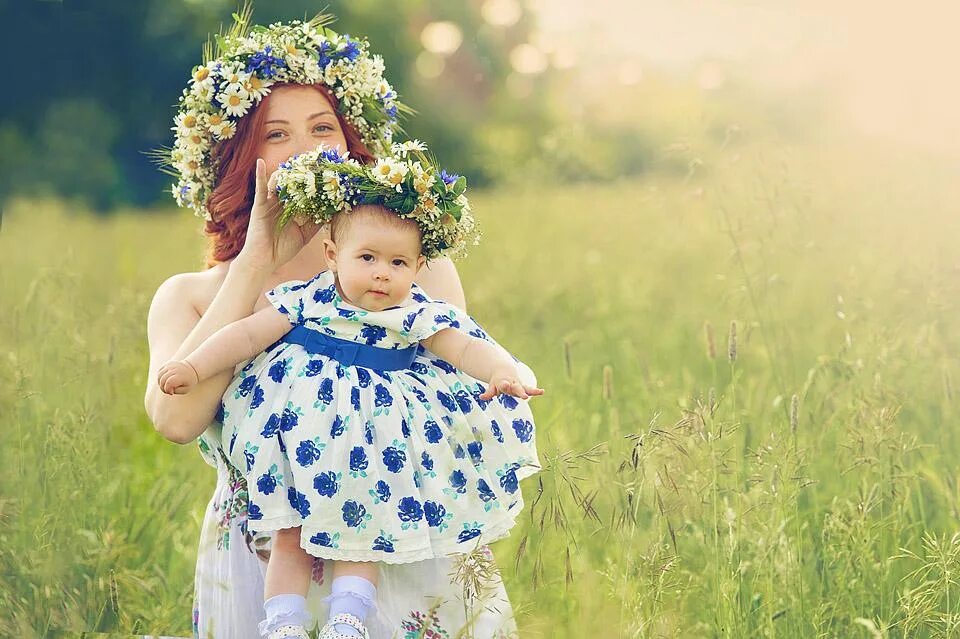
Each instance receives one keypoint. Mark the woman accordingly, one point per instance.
(272, 93)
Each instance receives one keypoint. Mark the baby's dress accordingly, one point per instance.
(395, 465)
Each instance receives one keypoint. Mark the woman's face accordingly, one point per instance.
(298, 119)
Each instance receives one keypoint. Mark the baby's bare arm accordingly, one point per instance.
(481, 359)
(238, 341)
(474, 356)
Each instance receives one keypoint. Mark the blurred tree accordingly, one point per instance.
(97, 83)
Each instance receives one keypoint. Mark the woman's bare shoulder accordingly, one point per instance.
(189, 291)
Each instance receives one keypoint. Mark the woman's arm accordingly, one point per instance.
(441, 281)
(175, 328)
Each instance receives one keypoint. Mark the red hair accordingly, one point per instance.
(229, 204)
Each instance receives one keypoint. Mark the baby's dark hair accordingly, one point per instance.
(341, 221)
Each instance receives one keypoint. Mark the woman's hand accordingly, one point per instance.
(506, 380)
(263, 249)
(177, 377)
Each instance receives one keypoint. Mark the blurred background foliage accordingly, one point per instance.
(98, 81)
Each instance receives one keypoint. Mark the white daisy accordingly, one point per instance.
(235, 100)
(257, 88)
(382, 170)
(413, 145)
(234, 76)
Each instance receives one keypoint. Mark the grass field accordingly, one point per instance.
(750, 428)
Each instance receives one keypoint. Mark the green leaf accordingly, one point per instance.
(409, 203)
(372, 113)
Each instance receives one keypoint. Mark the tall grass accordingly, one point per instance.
(749, 431)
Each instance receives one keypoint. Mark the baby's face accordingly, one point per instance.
(376, 262)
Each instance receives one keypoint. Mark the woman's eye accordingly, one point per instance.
(273, 135)
(323, 127)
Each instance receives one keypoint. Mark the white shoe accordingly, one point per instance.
(327, 632)
(292, 631)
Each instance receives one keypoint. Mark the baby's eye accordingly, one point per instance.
(399, 263)
(365, 256)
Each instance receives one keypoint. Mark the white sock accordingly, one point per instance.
(286, 609)
(354, 595)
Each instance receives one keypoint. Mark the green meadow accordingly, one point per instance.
(752, 368)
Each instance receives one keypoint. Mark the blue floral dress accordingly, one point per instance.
(394, 466)
(423, 599)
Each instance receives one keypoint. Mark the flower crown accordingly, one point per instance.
(248, 61)
(320, 183)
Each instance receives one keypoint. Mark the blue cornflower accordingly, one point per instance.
(323, 54)
(352, 51)
(332, 155)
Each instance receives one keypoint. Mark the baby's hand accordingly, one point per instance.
(506, 381)
(177, 377)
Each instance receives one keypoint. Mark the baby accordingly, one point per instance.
(356, 450)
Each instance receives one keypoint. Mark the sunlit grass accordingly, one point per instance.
(802, 484)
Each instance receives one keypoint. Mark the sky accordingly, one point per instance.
(890, 66)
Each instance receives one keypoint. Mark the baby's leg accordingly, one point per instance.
(290, 565)
(353, 592)
(286, 583)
